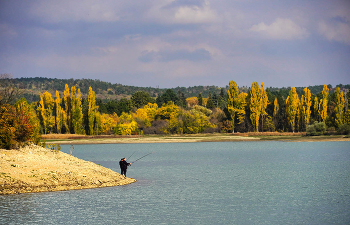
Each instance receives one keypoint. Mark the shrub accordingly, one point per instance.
(344, 129)
(18, 125)
(157, 127)
(318, 128)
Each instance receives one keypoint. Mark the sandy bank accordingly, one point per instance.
(36, 169)
(261, 136)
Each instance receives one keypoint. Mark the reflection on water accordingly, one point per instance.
(202, 183)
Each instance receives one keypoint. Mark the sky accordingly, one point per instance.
(171, 43)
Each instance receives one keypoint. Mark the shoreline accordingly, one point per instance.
(36, 169)
(64, 139)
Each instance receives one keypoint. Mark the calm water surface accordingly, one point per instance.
(202, 183)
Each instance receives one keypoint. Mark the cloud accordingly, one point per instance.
(280, 29)
(167, 56)
(183, 12)
(337, 31)
(68, 11)
(194, 14)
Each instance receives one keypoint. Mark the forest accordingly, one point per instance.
(73, 107)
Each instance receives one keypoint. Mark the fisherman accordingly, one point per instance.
(123, 166)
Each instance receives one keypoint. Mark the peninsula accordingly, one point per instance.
(37, 169)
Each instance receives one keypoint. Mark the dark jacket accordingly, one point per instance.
(123, 164)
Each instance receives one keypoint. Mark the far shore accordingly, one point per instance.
(70, 139)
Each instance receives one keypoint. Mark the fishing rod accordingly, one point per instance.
(143, 157)
(130, 156)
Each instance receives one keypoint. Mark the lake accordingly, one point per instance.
(267, 182)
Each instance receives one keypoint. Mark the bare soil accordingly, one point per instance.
(37, 169)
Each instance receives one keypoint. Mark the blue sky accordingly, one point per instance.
(170, 43)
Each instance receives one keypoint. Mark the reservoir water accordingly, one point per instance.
(202, 183)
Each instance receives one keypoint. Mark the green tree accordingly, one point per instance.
(124, 105)
(200, 99)
(168, 96)
(141, 98)
(210, 103)
(221, 100)
(182, 100)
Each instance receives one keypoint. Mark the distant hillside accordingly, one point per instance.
(32, 87)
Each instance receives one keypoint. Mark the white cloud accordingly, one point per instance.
(336, 32)
(283, 29)
(194, 14)
(182, 14)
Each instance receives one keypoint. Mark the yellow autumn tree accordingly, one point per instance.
(263, 103)
(292, 105)
(306, 105)
(236, 104)
(59, 122)
(127, 125)
(255, 105)
(45, 111)
(169, 112)
(339, 107)
(316, 111)
(92, 110)
(67, 109)
(192, 101)
(107, 123)
(276, 108)
(144, 116)
(77, 111)
(323, 103)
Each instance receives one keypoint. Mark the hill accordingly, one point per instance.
(32, 87)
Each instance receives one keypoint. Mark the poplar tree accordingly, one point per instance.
(316, 111)
(255, 105)
(323, 103)
(59, 122)
(305, 106)
(263, 102)
(339, 107)
(68, 109)
(292, 104)
(77, 111)
(91, 110)
(45, 110)
(235, 104)
(275, 111)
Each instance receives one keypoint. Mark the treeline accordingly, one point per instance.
(233, 110)
(106, 91)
